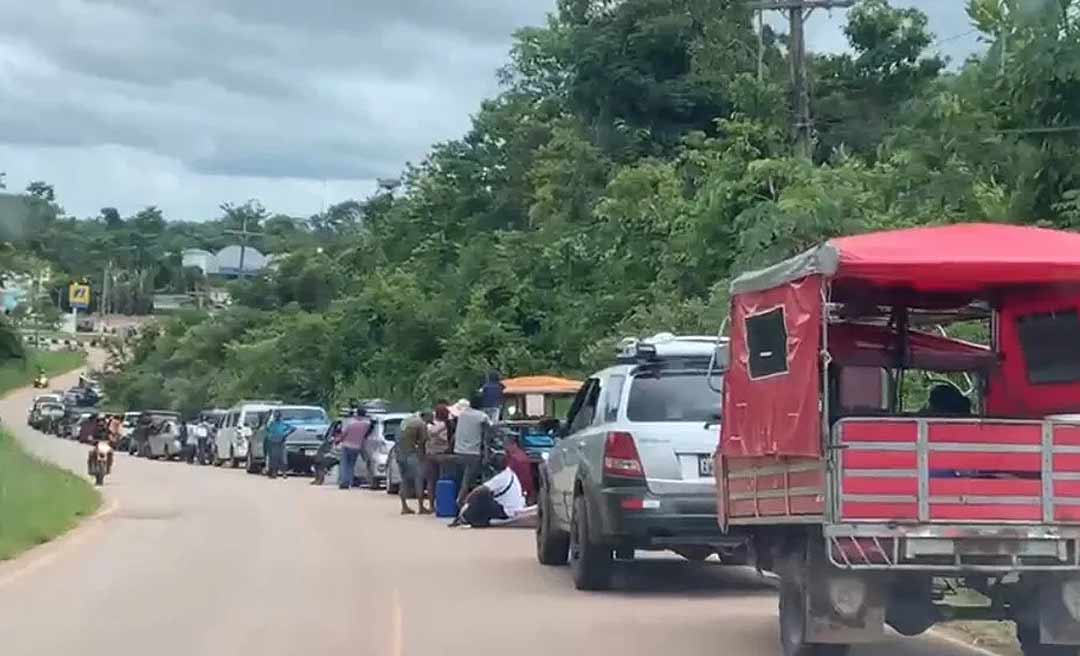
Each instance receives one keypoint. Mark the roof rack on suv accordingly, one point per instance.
(667, 345)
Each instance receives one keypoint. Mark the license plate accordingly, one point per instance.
(705, 466)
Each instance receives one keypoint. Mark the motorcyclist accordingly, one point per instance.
(101, 445)
(41, 380)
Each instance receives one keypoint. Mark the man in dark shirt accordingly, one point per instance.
(410, 450)
(491, 395)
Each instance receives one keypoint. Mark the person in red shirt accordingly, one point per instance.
(351, 439)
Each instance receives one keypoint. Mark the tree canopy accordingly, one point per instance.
(635, 159)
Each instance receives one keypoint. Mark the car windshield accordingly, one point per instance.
(683, 396)
(303, 415)
(391, 428)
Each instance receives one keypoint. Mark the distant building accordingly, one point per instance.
(225, 262)
(200, 259)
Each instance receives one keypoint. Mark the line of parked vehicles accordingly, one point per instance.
(887, 472)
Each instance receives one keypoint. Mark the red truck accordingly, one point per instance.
(879, 466)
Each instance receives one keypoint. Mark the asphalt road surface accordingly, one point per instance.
(198, 560)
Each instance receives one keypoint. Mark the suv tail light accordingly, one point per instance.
(621, 456)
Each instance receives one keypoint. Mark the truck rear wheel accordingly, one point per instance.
(793, 623)
(591, 563)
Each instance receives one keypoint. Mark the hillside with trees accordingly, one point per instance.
(635, 159)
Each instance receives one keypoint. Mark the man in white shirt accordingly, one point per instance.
(498, 498)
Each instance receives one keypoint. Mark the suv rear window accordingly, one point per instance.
(683, 396)
(391, 428)
(1049, 343)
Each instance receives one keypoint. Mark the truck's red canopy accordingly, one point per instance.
(951, 259)
(773, 387)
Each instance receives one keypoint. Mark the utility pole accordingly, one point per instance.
(245, 234)
(798, 11)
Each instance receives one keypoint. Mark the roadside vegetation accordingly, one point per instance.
(15, 373)
(38, 501)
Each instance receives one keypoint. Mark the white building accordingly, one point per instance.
(200, 259)
(225, 262)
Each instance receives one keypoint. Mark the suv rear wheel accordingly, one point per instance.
(591, 563)
(552, 544)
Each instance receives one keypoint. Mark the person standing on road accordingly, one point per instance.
(277, 431)
(491, 395)
(353, 434)
(472, 424)
(410, 450)
(438, 445)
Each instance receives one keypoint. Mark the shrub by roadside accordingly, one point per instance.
(38, 501)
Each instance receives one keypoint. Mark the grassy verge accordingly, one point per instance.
(38, 501)
(21, 373)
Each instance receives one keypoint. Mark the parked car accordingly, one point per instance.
(166, 437)
(306, 427)
(634, 466)
(373, 465)
(45, 414)
(68, 425)
(38, 401)
(233, 439)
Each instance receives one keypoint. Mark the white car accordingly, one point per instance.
(165, 443)
(127, 426)
(233, 438)
(373, 465)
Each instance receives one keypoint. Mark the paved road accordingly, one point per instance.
(198, 560)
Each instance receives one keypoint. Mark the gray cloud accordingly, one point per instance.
(188, 104)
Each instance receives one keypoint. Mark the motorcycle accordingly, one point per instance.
(41, 381)
(99, 462)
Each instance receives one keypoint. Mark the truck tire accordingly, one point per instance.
(793, 622)
(592, 564)
(552, 544)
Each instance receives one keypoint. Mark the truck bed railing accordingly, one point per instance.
(955, 470)
(968, 494)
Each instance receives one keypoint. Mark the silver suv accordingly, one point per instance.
(634, 466)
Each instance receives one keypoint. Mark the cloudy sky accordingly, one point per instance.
(189, 104)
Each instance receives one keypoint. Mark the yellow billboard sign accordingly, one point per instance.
(79, 295)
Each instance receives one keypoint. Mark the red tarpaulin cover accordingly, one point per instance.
(962, 257)
(1011, 393)
(777, 415)
(876, 346)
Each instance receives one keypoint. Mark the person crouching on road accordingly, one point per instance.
(410, 450)
(353, 433)
(498, 498)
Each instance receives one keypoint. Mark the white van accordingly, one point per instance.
(237, 428)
